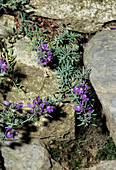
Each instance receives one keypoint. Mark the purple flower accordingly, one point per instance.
(4, 67)
(9, 132)
(42, 62)
(112, 28)
(31, 111)
(49, 53)
(41, 109)
(46, 103)
(43, 47)
(32, 105)
(6, 102)
(48, 59)
(38, 100)
(89, 109)
(78, 107)
(75, 90)
(87, 87)
(80, 89)
(84, 97)
(49, 108)
(2, 60)
(19, 106)
(42, 106)
(16, 133)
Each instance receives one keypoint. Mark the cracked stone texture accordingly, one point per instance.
(100, 57)
(85, 16)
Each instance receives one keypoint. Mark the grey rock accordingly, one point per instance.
(6, 23)
(103, 165)
(25, 156)
(3, 32)
(100, 57)
(85, 16)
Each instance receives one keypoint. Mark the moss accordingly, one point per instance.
(109, 152)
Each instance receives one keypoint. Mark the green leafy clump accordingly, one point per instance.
(12, 4)
(109, 152)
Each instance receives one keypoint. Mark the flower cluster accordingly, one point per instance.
(40, 106)
(46, 55)
(11, 118)
(16, 106)
(82, 109)
(2, 65)
(9, 133)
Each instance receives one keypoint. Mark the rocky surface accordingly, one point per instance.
(103, 165)
(85, 16)
(100, 57)
(26, 156)
(35, 83)
(6, 22)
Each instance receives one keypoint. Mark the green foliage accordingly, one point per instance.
(12, 4)
(109, 152)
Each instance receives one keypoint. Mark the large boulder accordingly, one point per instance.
(85, 16)
(100, 57)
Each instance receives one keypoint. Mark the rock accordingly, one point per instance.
(103, 165)
(32, 77)
(26, 156)
(85, 16)
(6, 22)
(100, 57)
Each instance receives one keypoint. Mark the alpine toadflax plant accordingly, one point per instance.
(82, 109)
(40, 106)
(44, 56)
(11, 119)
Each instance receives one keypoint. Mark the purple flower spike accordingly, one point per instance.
(80, 89)
(38, 100)
(9, 132)
(31, 111)
(84, 97)
(19, 106)
(48, 59)
(40, 111)
(4, 67)
(6, 102)
(75, 90)
(49, 53)
(42, 62)
(32, 105)
(7, 129)
(49, 109)
(43, 47)
(2, 60)
(46, 103)
(16, 133)
(89, 109)
(78, 107)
